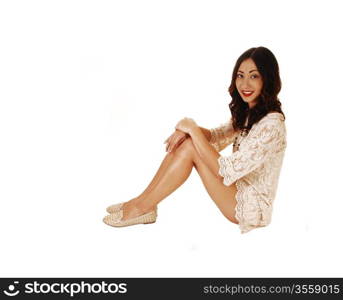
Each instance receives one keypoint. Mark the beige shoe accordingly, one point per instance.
(114, 219)
(114, 208)
(117, 207)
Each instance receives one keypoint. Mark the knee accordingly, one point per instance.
(186, 148)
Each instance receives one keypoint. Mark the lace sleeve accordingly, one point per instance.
(222, 136)
(262, 141)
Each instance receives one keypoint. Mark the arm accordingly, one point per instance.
(222, 136)
(179, 136)
(200, 138)
(206, 133)
(219, 137)
(205, 139)
(264, 140)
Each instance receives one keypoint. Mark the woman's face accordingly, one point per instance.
(249, 82)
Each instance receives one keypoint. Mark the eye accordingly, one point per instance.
(254, 76)
(238, 75)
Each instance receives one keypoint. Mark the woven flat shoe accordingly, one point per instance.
(114, 208)
(117, 207)
(114, 219)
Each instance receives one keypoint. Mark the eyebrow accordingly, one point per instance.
(249, 71)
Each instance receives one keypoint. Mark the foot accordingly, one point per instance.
(129, 203)
(132, 206)
(132, 210)
(116, 219)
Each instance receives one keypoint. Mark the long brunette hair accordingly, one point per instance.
(267, 101)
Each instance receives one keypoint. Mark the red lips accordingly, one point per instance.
(248, 94)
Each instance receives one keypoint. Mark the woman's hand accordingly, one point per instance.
(186, 125)
(175, 140)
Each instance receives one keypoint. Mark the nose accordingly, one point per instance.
(245, 83)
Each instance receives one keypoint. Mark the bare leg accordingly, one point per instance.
(159, 174)
(174, 171)
(163, 167)
(180, 166)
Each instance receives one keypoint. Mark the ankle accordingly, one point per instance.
(144, 207)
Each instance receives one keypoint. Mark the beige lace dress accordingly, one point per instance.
(254, 166)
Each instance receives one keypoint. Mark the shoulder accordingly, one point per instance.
(271, 119)
(274, 116)
(271, 124)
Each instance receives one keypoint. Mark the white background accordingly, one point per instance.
(90, 90)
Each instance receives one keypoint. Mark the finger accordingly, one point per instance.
(176, 146)
(173, 141)
(169, 142)
(182, 140)
(173, 146)
(178, 142)
(170, 145)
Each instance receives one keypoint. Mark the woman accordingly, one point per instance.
(242, 185)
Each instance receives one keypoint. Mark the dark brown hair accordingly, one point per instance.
(267, 101)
